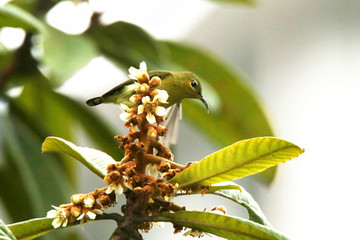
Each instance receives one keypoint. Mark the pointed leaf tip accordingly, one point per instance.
(238, 160)
(93, 159)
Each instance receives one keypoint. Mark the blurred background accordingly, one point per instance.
(300, 59)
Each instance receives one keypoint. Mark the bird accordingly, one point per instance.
(178, 85)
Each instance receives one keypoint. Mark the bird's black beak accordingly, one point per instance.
(205, 103)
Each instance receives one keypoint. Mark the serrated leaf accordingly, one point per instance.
(13, 16)
(221, 225)
(235, 112)
(239, 195)
(93, 159)
(126, 44)
(5, 233)
(238, 160)
(31, 229)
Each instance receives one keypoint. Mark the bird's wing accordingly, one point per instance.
(172, 123)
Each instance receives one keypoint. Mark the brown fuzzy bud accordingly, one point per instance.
(105, 200)
(114, 175)
(75, 211)
(110, 167)
(161, 131)
(164, 166)
(107, 180)
(155, 82)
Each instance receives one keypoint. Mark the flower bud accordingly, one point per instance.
(77, 198)
(143, 88)
(114, 175)
(152, 133)
(107, 180)
(155, 81)
(75, 211)
(89, 201)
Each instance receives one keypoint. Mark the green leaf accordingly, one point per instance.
(126, 44)
(24, 172)
(239, 195)
(238, 160)
(5, 233)
(64, 54)
(221, 225)
(13, 16)
(93, 159)
(235, 112)
(32, 228)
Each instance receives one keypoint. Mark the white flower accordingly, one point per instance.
(148, 105)
(114, 187)
(89, 215)
(151, 170)
(162, 96)
(125, 116)
(60, 217)
(138, 73)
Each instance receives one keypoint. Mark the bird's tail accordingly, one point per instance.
(94, 101)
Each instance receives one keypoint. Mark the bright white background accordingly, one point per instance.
(302, 57)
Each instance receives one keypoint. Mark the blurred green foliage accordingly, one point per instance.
(26, 179)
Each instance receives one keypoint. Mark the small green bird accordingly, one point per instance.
(179, 85)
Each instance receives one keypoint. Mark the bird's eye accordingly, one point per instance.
(193, 83)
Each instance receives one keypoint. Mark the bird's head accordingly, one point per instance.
(192, 87)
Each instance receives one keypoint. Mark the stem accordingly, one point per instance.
(156, 159)
(169, 205)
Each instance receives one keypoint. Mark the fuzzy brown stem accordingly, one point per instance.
(157, 160)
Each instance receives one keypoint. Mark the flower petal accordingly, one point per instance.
(125, 116)
(125, 107)
(133, 73)
(57, 222)
(109, 190)
(162, 96)
(145, 99)
(65, 222)
(150, 118)
(160, 111)
(140, 109)
(97, 211)
(143, 66)
(91, 215)
(118, 189)
(51, 214)
(81, 216)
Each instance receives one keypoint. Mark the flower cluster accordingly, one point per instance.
(143, 174)
(84, 207)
